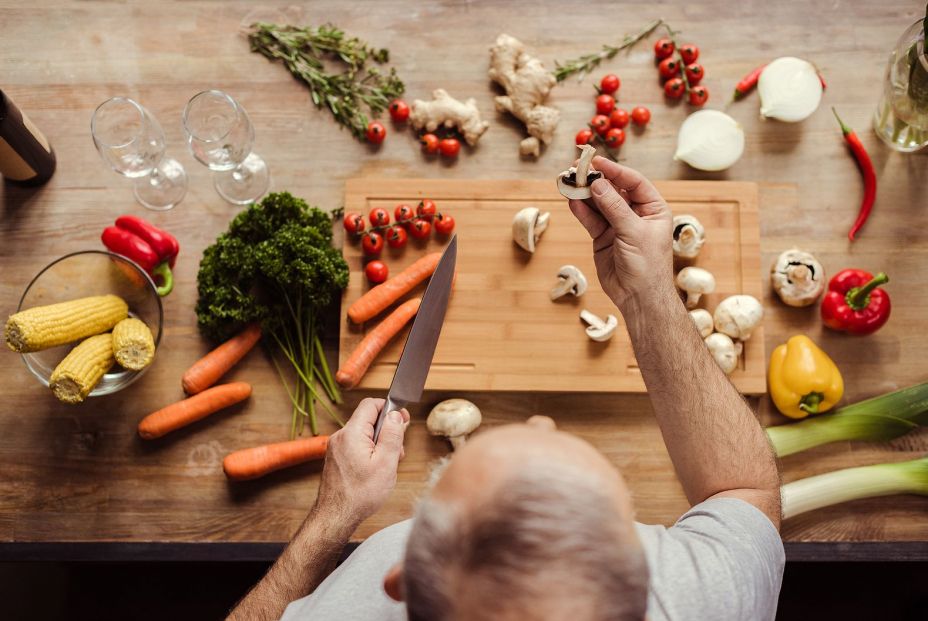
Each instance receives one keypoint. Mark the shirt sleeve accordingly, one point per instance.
(722, 560)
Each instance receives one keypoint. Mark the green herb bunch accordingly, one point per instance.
(276, 266)
(305, 51)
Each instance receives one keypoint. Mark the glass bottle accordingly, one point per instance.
(26, 157)
(901, 119)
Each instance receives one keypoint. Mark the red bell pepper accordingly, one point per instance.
(153, 249)
(854, 304)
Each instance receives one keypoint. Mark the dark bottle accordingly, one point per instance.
(26, 157)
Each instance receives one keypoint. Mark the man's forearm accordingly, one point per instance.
(713, 437)
(303, 565)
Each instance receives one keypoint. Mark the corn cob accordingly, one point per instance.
(133, 344)
(76, 375)
(42, 327)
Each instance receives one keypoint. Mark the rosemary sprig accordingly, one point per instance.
(585, 64)
(304, 52)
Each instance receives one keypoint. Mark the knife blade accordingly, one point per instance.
(413, 367)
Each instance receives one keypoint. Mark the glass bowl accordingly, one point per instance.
(83, 274)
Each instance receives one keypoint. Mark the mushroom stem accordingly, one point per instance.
(592, 319)
(583, 165)
(457, 441)
(799, 272)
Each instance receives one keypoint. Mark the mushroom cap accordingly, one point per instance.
(738, 315)
(574, 192)
(599, 330)
(583, 168)
(703, 320)
(453, 418)
(570, 280)
(688, 236)
(724, 351)
(797, 277)
(527, 226)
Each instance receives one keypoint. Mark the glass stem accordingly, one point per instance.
(240, 174)
(154, 178)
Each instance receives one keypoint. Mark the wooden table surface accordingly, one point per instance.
(73, 478)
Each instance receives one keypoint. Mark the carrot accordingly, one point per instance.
(252, 463)
(207, 370)
(192, 409)
(380, 297)
(354, 368)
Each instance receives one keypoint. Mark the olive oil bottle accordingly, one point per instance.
(26, 157)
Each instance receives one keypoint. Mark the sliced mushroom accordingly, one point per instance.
(703, 320)
(725, 351)
(599, 330)
(797, 277)
(569, 280)
(688, 236)
(455, 419)
(695, 281)
(575, 181)
(527, 227)
(738, 315)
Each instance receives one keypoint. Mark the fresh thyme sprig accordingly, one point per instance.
(585, 64)
(304, 52)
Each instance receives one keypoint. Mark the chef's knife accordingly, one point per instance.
(413, 367)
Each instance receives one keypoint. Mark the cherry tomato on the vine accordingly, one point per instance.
(663, 48)
(376, 132)
(600, 124)
(444, 224)
(354, 223)
(426, 208)
(379, 216)
(396, 236)
(641, 115)
(674, 88)
(689, 52)
(450, 147)
(699, 95)
(376, 272)
(609, 84)
(618, 118)
(694, 73)
(429, 143)
(615, 137)
(669, 67)
(399, 110)
(605, 104)
(372, 243)
(584, 136)
(421, 228)
(403, 213)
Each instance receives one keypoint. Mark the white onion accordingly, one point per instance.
(710, 140)
(790, 89)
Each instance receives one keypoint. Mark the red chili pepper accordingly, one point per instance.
(854, 304)
(153, 249)
(747, 83)
(161, 241)
(866, 168)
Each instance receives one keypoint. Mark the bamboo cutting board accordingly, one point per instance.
(502, 332)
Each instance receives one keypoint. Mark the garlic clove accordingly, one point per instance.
(710, 140)
(790, 89)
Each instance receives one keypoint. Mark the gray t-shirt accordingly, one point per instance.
(722, 560)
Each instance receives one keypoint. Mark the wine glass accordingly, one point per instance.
(131, 141)
(220, 135)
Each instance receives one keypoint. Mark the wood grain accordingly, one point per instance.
(502, 332)
(80, 474)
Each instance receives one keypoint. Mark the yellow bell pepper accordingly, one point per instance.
(802, 378)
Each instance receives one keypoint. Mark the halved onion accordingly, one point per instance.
(709, 140)
(790, 89)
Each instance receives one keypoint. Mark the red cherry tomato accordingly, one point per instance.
(584, 136)
(421, 228)
(429, 143)
(605, 104)
(600, 124)
(379, 216)
(689, 52)
(403, 213)
(444, 224)
(694, 73)
(354, 223)
(450, 147)
(376, 272)
(376, 132)
(618, 118)
(669, 67)
(674, 88)
(372, 243)
(641, 116)
(396, 236)
(699, 95)
(609, 84)
(399, 110)
(615, 137)
(663, 48)
(426, 208)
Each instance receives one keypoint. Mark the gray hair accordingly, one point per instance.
(548, 543)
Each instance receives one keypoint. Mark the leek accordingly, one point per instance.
(878, 419)
(908, 477)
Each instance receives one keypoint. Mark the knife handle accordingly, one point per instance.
(389, 406)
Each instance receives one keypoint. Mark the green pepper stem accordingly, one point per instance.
(810, 402)
(167, 278)
(844, 128)
(858, 298)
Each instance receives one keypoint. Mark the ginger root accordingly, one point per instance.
(450, 112)
(527, 84)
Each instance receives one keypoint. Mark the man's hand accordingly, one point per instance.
(631, 227)
(359, 475)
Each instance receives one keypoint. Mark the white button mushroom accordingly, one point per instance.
(703, 320)
(575, 181)
(527, 227)
(695, 281)
(569, 280)
(598, 329)
(688, 236)
(797, 277)
(455, 419)
(724, 350)
(738, 315)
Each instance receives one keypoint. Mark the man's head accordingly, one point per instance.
(525, 523)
